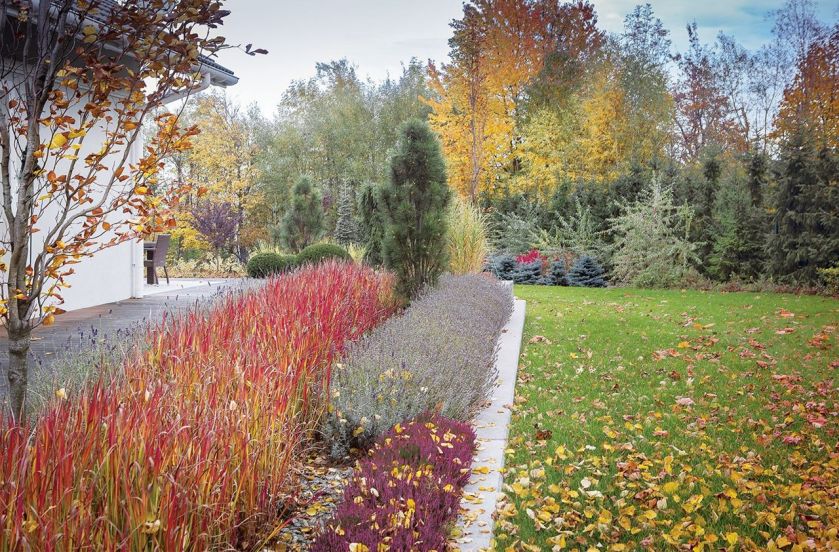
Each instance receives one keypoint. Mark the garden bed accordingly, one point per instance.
(191, 445)
(208, 426)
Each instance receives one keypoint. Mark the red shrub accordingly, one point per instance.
(405, 493)
(531, 256)
(191, 447)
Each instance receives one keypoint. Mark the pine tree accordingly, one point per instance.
(805, 233)
(302, 223)
(737, 244)
(556, 275)
(371, 224)
(502, 266)
(414, 205)
(586, 272)
(346, 229)
(758, 178)
(705, 223)
(527, 273)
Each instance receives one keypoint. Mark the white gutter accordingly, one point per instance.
(206, 82)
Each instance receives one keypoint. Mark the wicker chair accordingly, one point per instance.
(156, 257)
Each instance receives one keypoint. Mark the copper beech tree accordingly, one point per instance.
(79, 80)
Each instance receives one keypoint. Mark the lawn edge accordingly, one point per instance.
(492, 426)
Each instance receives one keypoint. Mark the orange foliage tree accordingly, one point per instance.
(811, 103)
(80, 78)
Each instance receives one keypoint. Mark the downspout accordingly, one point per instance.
(137, 250)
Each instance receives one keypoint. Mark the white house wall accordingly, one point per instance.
(113, 274)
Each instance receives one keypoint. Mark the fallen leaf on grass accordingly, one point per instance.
(664, 353)
(543, 434)
(820, 340)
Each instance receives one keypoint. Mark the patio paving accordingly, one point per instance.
(48, 343)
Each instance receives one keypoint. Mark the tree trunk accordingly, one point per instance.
(19, 341)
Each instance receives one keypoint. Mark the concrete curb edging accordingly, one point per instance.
(492, 426)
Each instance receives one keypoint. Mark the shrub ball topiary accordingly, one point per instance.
(586, 272)
(319, 252)
(263, 265)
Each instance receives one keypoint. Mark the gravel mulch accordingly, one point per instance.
(320, 486)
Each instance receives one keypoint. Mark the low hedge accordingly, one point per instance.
(406, 492)
(321, 252)
(263, 265)
(439, 355)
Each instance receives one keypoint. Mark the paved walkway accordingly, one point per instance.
(492, 426)
(71, 328)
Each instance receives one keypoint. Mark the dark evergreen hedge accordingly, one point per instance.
(263, 265)
(322, 251)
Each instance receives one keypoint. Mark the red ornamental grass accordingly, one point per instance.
(191, 447)
(405, 494)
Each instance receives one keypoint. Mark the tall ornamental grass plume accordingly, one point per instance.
(466, 238)
(191, 447)
(406, 493)
(439, 355)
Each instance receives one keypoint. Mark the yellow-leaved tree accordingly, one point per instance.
(498, 47)
(223, 160)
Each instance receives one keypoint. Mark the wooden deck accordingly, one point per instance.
(74, 328)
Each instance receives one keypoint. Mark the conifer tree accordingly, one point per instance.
(705, 223)
(302, 224)
(371, 224)
(652, 244)
(586, 272)
(758, 178)
(346, 229)
(414, 205)
(737, 248)
(805, 233)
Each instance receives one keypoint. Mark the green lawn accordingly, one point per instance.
(674, 420)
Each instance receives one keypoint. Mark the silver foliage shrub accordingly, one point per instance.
(437, 355)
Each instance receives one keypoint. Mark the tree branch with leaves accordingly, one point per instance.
(80, 78)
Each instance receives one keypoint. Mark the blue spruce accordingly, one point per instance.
(586, 272)
(527, 273)
(502, 266)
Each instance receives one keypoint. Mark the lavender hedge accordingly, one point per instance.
(406, 492)
(439, 356)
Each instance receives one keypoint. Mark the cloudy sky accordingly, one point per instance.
(378, 35)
